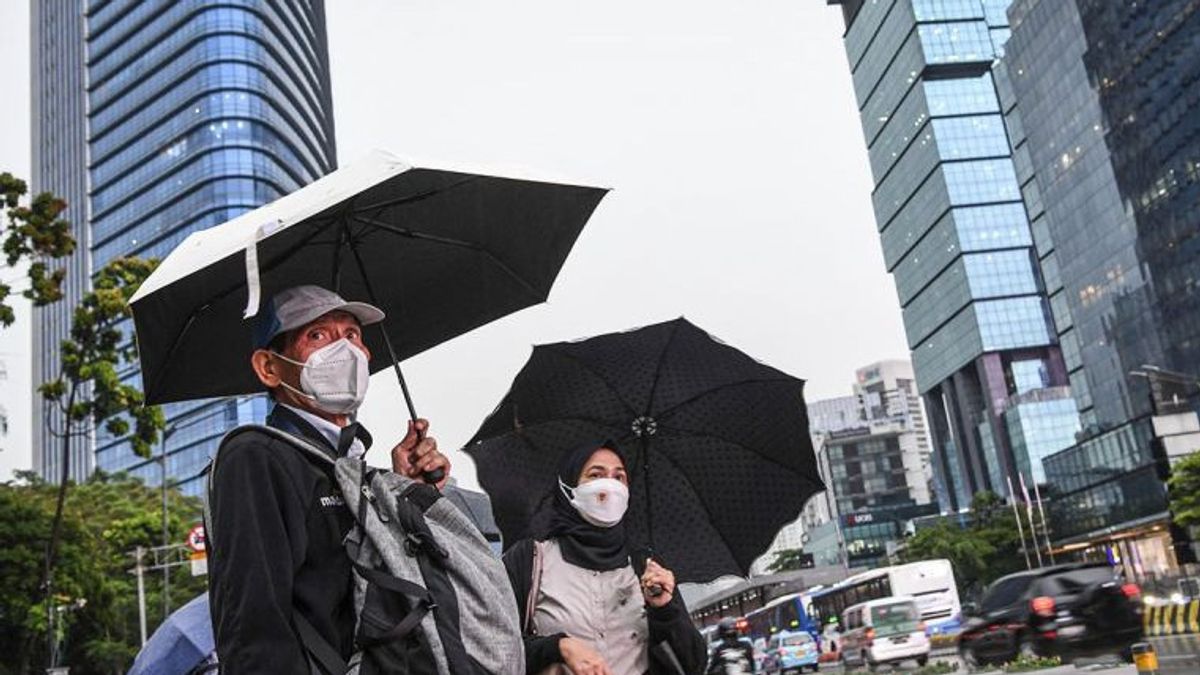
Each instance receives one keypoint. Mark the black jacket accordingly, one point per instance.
(279, 520)
(669, 624)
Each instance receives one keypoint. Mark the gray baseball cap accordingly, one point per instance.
(298, 305)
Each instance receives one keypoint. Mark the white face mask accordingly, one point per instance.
(334, 378)
(601, 502)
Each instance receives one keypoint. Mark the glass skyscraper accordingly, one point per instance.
(1106, 94)
(956, 237)
(197, 111)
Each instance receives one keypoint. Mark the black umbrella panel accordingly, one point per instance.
(718, 442)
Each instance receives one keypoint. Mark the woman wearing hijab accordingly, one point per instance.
(585, 604)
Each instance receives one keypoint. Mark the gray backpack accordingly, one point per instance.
(430, 595)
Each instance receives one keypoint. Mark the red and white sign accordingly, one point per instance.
(195, 538)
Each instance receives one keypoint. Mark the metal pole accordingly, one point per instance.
(1012, 499)
(166, 589)
(141, 590)
(1037, 494)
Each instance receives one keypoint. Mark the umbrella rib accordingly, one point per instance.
(707, 511)
(474, 246)
(696, 434)
(628, 406)
(662, 359)
(675, 408)
(412, 199)
(534, 425)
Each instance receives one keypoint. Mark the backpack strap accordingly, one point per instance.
(318, 648)
(309, 448)
(535, 585)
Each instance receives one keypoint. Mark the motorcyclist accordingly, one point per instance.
(731, 656)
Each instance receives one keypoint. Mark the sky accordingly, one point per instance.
(728, 132)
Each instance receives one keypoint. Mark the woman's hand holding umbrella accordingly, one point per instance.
(658, 584)
(417, 454)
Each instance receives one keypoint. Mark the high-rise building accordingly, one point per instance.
(193, 112)
(1105, 95)
(956, 238)
(874, 456)
(59, 119)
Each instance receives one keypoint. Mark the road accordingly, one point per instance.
(1176, 655)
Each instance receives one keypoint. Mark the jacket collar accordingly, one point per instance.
(284, 419)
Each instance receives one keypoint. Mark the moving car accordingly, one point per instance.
(1071, 610)
(882, 631)
(791, 652)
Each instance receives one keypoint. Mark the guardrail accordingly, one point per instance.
(1172, 619)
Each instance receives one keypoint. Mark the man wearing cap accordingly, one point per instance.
(278, 517)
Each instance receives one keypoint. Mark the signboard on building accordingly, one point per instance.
(852, 519)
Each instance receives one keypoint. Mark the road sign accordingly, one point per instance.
(195, 538)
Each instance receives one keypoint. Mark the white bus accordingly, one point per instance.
(929, 582)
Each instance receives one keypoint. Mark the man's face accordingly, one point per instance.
(299, 344)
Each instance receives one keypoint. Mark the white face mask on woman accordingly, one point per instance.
(602, 502)
(334, 378)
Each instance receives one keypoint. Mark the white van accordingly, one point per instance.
(888, 630)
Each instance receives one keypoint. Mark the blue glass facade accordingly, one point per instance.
(198, 111)
(1106, 94)
(59, 99)
(956, 235)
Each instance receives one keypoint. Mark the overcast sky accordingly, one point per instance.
(727, 130)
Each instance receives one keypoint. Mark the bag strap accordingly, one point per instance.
(535, 585)
(310, 449)
(328, 658)
(422, 605)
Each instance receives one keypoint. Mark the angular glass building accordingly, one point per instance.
(197, 111)
(956, 237)
(1106, 94)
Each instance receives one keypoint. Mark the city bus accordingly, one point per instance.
(787, 612)
(929, 582)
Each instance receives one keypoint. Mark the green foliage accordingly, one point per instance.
(103, 520)
(1025, 664)
(787, 559)
(1185, 490)
(981, 553)
(93, 354)
(35, 235)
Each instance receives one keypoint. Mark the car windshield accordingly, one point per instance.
(797, 640)
(900, 617)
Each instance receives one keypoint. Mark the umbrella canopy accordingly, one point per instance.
(181, 643)
(442, 250)
(718, 442)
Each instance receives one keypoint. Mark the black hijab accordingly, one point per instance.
(582, 544)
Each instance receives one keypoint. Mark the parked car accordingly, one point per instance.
(1072, 610)
(888, 630)
(791, 652)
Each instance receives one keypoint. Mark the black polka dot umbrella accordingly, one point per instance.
(717, 442)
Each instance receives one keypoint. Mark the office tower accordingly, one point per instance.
(956, 238)
(59, 121)
(196, 112)
(1106, 94)
(874, 456)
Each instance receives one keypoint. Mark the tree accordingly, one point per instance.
(1185, 490)
(105, 518)
(789, 559)
(989, 548)
(35, 235)
(89, 391)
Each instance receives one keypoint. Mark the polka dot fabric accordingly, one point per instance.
(723, 460)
